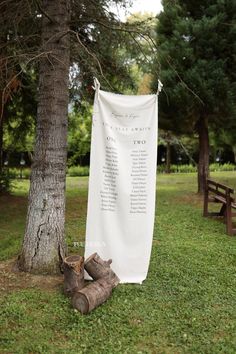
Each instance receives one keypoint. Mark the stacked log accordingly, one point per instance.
(87, 298)
(92, 295)
(73, 267)
(97, 268)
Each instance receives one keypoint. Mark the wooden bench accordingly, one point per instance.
(219, 193)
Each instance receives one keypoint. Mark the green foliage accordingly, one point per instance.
(15, 172)
(190, 168)
(222, 167)
(97, 49)
(20, 116)
(79, 132)
(140, 51)
(196, 49)
(177, 168)
(103, 53)
(76, 171)
(186, 305)
(5, 182)
(80, 171)
(223, 139)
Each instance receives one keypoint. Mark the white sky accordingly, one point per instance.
(147, 6)
(153, 6)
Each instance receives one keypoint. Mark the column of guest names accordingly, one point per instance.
(138, 195)
(110, 171)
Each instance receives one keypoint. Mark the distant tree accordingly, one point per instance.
(141, 51)
(196, 58)
(225, 139)
(79, 132)
(6, 93)
(20, 116)
(9, 85)
(166, 139)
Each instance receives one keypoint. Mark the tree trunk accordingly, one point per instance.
(2, 111)
(234, 151)
(168, 157)
(44, 246)
(73, 267)
(1, 142)
(203, 161)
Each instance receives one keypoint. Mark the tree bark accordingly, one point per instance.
(97, 268)
(73, 267)
(92, 295)
(234, 151)
(44, 246)
(203, 161)
(1, 142)
(2, 113)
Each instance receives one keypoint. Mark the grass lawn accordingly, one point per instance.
(186, 305)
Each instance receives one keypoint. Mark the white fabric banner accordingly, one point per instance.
(122, 182)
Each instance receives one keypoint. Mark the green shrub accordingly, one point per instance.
(223, 167)
(5, 183)
(177, 168)
(79, 171)
(161, 168)
(186, 168)
(75, 171)
(26, 173)
(190, 168)
(15, 172)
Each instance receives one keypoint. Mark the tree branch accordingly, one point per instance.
(184, 84)
(45, 13)
(13, 78)
(92, 55)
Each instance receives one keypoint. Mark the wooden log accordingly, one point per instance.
(97, 268)
(73, 267)
(92, 295)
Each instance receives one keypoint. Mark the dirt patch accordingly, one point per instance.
(156, 242)
(11, 280)
(12, 206)
(12, 199)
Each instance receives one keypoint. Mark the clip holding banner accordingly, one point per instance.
(96, 84)
(160, 85)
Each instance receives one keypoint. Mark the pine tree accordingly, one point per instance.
(55, 36)
(196, 58)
